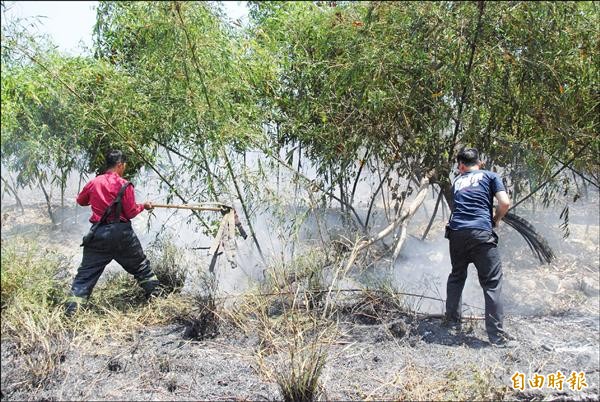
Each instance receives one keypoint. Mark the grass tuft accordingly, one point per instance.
(33, 320)
(375, 305)
(168, 264)
(298, 379)
(293, 335)
(32, 316)
(202, 321)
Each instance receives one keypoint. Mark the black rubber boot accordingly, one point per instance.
(152, 288)
(452, 324)
(158, 291)
(503, 341)
(73, 304)
(71, 308)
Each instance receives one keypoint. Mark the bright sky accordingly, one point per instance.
(70, 23)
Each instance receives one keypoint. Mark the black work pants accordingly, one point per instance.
(480, 248)
(115, 241)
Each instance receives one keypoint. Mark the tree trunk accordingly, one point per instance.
(48, 202)
(362, 162)
(402, 219)
(14, 192)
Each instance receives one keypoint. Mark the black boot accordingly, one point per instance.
(73, 304)
(152, 289)
(158, 291)
(71, 308)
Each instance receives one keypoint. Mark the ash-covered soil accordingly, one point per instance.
(404, 358)
(552, 310)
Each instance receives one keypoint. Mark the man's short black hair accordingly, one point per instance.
(468, 156)
(114, 157)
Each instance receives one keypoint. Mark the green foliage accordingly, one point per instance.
(58, 113)
(196, 76)
(38, 125)
(412, 82)
(384, 86)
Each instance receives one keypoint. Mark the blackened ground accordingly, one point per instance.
(553, 311)
(403, 358)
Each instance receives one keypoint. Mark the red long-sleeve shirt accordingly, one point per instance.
(102, 190)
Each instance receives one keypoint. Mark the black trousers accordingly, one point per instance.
(480, 248)
(115, 241)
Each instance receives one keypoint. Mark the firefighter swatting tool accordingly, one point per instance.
(224, 240)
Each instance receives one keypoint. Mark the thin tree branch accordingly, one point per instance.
(437, 204)
(14, 192)
(375, 194)
(465, 89)
(363, 162)
(406, 214)
(538, 188)
(313, 183)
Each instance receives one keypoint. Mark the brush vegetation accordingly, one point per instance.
(298, 316)
(35, 284)
(385, 91)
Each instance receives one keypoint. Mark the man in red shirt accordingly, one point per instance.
(114, 237)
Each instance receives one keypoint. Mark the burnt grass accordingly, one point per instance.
(381, 351)
(384, 358)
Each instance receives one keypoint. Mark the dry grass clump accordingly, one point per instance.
(292, 350)
(289, 285)
(415, 383)
(374, 305)
(293, 336)
(33, 320)
(101, 319)
(302, 280)
(118, 292)
(32, 310)
(27, 278)
(118, 308)
(168, 264)
(298, 377)
(40, 338)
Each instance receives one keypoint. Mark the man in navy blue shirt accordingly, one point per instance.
(473, 240)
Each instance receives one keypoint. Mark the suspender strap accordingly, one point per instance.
(117, 212)
(115, 207)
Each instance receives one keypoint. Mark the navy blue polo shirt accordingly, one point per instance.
(473, 200)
